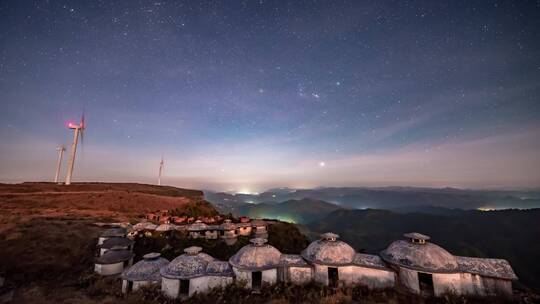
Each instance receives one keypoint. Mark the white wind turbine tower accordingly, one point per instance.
(60, 150)
(76, 130)
(160, 171)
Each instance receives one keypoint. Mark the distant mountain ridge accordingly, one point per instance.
(390, 198)
(297, 211)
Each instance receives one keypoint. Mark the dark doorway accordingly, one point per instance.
(184, 287)
(256, 280)
(333, 277)
(129, 286)
(126, 264)
(425, 282)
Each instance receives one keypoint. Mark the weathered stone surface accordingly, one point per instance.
(114, 256)
(423, 257)
(369, 260)
(114, 232)
(258, 255)
(146, 269)
(188, 265)
(219, 268)
(329, 251)
(166, 227)
(198, 226)
(144, 226)
(495, 268)
(293, 260)
(116, 241)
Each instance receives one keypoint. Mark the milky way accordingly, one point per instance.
(244, 95)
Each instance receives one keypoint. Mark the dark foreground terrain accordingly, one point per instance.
(48, 243)
(48, 236)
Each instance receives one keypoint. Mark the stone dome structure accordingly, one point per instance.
(144, 226)
(257, 255)
(258, 223)
(114, 255)
(191, 264)
(146, 269)
(228, 225)
(418, 254)
(114, 232)
(198, 226)
(122, 242)
(329, 251)
(165, 227)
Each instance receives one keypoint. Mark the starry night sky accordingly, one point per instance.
(246, 95)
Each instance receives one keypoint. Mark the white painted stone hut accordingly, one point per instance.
(295, 269)
(219, 273)
(259, 227)
(118, 242)
(227, 230)
(256, 264)
(112, 232)
(113, 262)
(427, 269)
(197, 230)
(336, 262)
(193, 272)
(165, 228)
(483, 276)
(144, 228)
(243, 229)
(212, 232)
(144, 272)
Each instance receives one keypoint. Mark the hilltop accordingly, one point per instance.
(116, 201)
(47, 234)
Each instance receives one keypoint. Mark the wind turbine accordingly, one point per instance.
(60, 150)
(76, 130)
(160, 171)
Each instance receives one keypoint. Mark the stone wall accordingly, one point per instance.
(299, 275)
(170, 287)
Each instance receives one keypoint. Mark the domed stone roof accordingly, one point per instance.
(228, 225)
(219, 268)
(257, 255)
(258, 223)
(420, 256)
(166, 227)
(112, 232)
(146, 269)
(198, 226)
(189, 265)
(144, 226)
(114, 255)
(329, 251)
(116, 241)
